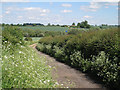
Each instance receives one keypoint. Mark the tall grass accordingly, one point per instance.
(22, 67)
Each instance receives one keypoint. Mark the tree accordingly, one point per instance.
(73, 24)
(3, 24)
(24, 24)
(48, 24)
(53, 25)
(78, 25)
(11, 24)
(84, 24)
(57, 25)
(34, 24)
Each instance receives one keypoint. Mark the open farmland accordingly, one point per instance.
(45, 28)
(60, 45)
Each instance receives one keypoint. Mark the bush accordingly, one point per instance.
(28, 39)
(12, 34)
(92, 51)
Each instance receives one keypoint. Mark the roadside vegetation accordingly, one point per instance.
(94, 51)
(90, 49)
(22, 67)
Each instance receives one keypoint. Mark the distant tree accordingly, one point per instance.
(88, 26)
(57, 25)
(84, 24)
(34, 24)
(104, 25)
(11, 24)
(73, 24)
(78, 25)
(24, 24)
(53, 25)
(48, 24)
(3, 24)
(7, 24)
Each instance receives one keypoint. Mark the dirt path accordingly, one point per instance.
(68, 76)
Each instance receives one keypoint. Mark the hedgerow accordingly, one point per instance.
(94, 51)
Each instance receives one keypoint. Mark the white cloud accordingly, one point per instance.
(31, 18)
(66, 11)
(87, 16)
(92, 7)
(37, 9)
(42, 14)
(66, 5)
(7, 12)
(111, 4)
(1, 16)
(19, 17)
(106, 7)
(87, 8)
(95, 5)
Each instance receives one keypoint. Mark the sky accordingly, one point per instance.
(59, 12)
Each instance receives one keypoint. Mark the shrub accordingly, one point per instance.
(12, 34)
(28, 39)
(91, 51)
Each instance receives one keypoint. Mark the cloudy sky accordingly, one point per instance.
(24, 11)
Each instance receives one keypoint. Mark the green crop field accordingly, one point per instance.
(45, 28)
(34, 38)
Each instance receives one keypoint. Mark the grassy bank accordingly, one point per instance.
(22, 67)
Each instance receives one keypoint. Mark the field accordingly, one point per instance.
(94, 51)
(45, 28)
(34, 38)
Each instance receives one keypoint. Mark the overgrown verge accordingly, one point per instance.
(21, 65)
(95, 52)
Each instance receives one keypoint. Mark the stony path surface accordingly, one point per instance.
(68, 76)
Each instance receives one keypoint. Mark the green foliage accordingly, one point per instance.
(73, 24)
(23, 68)
(28, 39)
(21, 65)
(83, 24)
(94, 51)
(45, 28)
(40, 33)
(12, 34)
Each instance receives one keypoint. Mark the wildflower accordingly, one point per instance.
(20, 52)
(5, 57)
(48, 80)
(45, 82)
(21, 46)
(56, 83)
(5, 68)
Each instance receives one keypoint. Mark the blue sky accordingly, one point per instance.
(59, 12)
